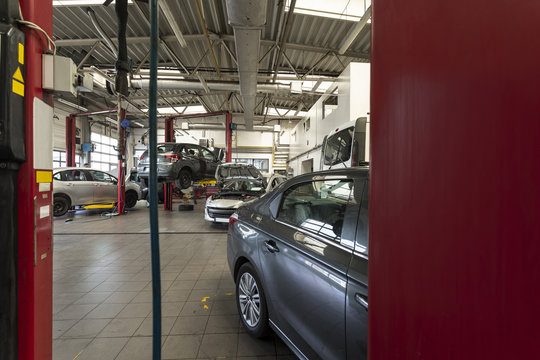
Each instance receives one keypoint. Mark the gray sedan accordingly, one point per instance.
(82, 186)
(299, 257)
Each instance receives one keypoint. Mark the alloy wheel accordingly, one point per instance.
(249, 298)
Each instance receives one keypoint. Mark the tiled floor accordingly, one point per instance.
(102, 291)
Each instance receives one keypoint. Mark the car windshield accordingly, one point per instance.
(241, 185)
(244, 171)
(338, 147)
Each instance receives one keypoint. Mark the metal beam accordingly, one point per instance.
(88, 54)
(144, 40)
(172, 23)
(355, 31)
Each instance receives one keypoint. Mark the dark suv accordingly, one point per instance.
(180, 163)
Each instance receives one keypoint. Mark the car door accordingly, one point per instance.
(191, 155)
(210, 163)
(77, 185)
(357, 284)
(106, 187)
(304, 264)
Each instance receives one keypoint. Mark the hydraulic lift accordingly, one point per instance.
(70, 149)
(169, 137)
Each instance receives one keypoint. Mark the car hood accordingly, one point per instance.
(224, 203)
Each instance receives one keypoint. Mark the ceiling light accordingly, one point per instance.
(81, 2)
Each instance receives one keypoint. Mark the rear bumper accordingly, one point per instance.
(165, 173)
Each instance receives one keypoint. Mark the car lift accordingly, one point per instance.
(70, 150)
(169, 137)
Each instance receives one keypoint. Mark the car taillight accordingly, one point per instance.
(142, 156)
(233, 219)
(173, 157)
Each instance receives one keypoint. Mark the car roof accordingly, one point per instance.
(358, 170)
(76, 168)
(233, 164)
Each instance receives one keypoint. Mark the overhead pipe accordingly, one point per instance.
(216, 86)
(112, 47)
(247, 17)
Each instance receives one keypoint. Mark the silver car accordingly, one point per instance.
(82, 186)
(299, 257)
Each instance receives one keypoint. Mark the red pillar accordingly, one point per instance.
(121, 191)
(35, 206)
(454, 207)
(71, 127)
(228, 137)
(167, 187)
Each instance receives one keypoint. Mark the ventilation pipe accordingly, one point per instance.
(216, 86)
(247, 17)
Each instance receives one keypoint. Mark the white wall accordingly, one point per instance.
(353, 102)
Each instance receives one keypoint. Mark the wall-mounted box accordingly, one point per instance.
(59, 74)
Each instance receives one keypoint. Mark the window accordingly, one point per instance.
(104, 156)
(317, 206)
(329, 105)
(338, 147)
(307, 125)
(261, 164)
(57, 176)
(190, 150)
(208, 155)
(71, 175)
(59, 159)
(101, 176)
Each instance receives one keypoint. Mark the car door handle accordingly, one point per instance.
(271, 246)
(361, 299)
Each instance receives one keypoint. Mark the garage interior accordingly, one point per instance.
(452, 154)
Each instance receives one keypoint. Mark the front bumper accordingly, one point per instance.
(218, 215)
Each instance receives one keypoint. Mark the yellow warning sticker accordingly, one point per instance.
(18, 82)
(18, 75)
(43, 176)
(21, 53)
(18, 87)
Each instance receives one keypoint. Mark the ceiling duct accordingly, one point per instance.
(216, 86)
(247, 17)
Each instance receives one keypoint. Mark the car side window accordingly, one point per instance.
(57, 176)
(190, 151)
(101, 176)
(74, 175)
(208, 155)
(317, 206)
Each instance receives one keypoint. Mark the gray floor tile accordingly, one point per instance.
(135, 310)
(105, 311)
(248, 346)
(93, 298)
(146, 327)
(121, 327)
(137, 348)
(196, 308)
(221, 324)
(61, 326)
(186, 325)
(86, 328)
(103, 349)
(74, 312)
(68, 349)
(121, 297)
(218, 346)
(181, 347)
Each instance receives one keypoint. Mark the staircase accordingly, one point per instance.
(280, 156)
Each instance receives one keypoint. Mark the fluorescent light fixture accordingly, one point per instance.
(81, 2)
(137, 123)
(335, 9)
(195, 109)
(69, 103)
(111, 120)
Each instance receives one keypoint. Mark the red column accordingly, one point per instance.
(454, 207)
(71, 128)
(228, 137)
(35, 226)
(167, 187)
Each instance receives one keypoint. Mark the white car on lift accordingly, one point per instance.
(82, 186)
(239, 183)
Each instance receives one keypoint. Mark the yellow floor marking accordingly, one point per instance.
(205, 307)
(228, 294)
(205, 298)
(78, 354)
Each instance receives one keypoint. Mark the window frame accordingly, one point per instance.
(347, 244)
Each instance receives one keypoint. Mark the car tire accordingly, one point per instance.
(61, 205)
(250, 298)
(131, 199)
(184, 179)
(185, 207)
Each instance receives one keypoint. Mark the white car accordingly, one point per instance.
(236, 190)
(81, 186)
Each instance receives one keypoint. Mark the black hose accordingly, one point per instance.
(152, 150)
(122, 61)
(101, 32)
